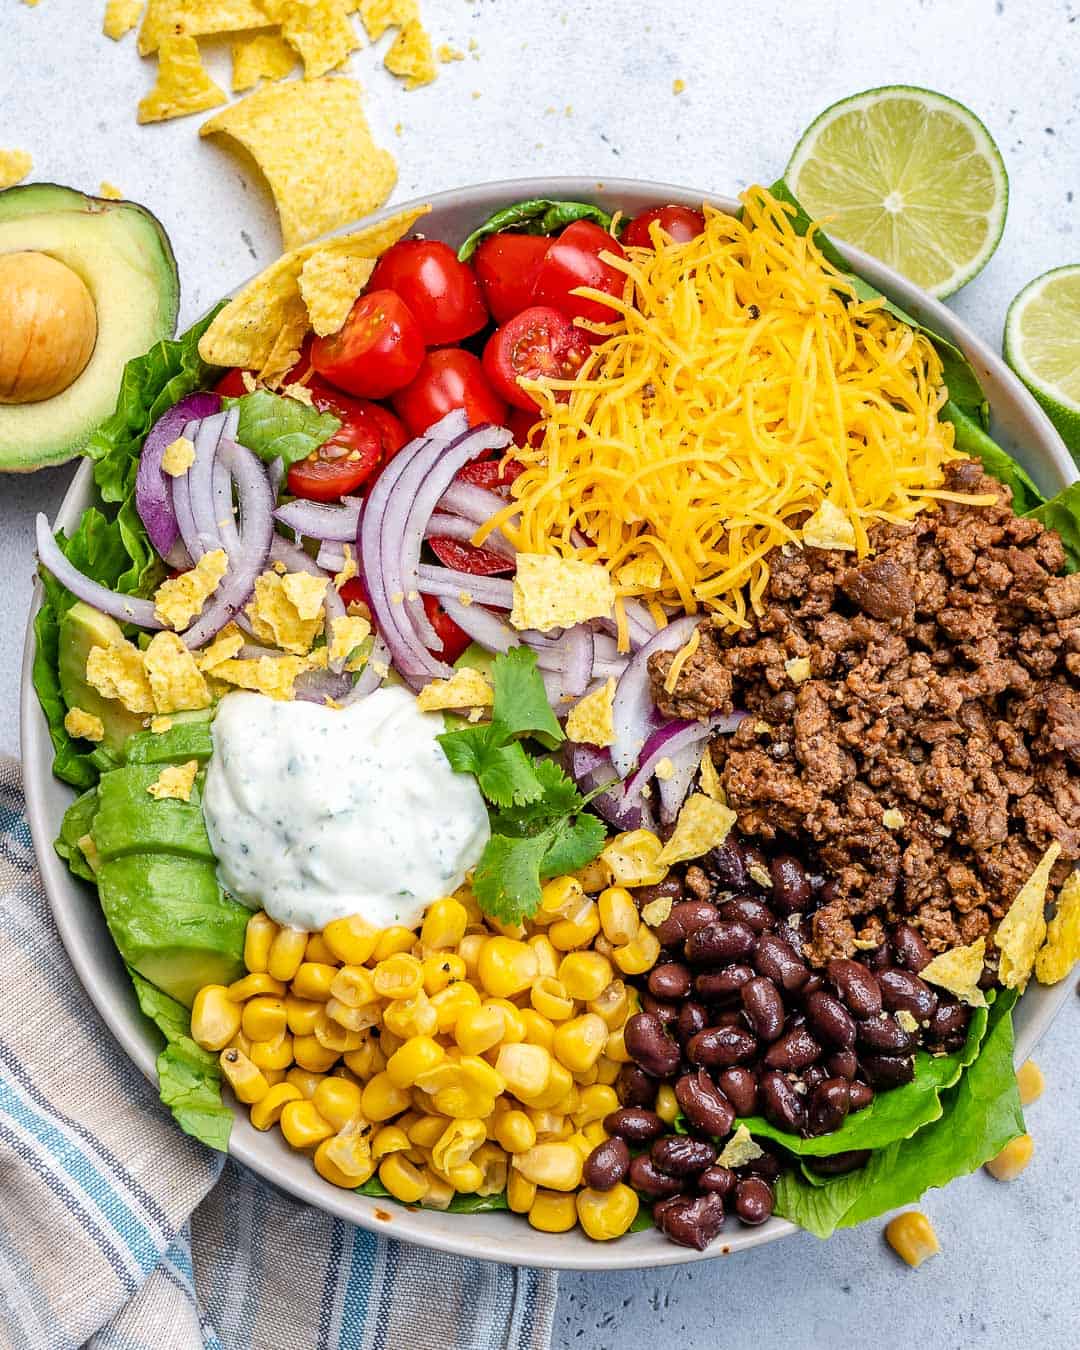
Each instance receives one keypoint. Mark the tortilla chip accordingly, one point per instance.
(347, 634)
(266, 56)
(273, 676)
(121, 16)
(591, 721)
(178, 599)
(196, 18)
(1062, 947)
(959, 971)
(175, 679)
(224, 647)
(330, 285)
(275, 616)
(159, 725)
(14, 166)
(828, 527)
(703, 824)
(183, 86)
(178, 456)
(176, 781)
(552, 592)
(466, 688)
(110, 191)
(739, 1150)
(118, 671)
(411, 58)
(656, 911)
(447, 53)
(85, 725)
(379, 15)
(1021, 932)
(318, 30)
(709, 780)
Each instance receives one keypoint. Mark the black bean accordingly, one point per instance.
(693, 1017)
(813, 983)
(780, 1102)
(671, 888)
(739, 1086)
(704, 1104)
(607, 1164)
(719, 1180)
(763, 1007)
(750, 910)
(717, 1047)
(793, 1051)
(836, 1164)
(669, 980)
(647, 1178)
(634, 1087)
(753, 1200)
(911, 951)
(755, 859)
(829, 1020)
(723, 941)
(680, 1155)
(812, 1076)
(728, 864)
(797, 932)
(901, 991)
(692, 1222)
(842, 1064)
(634, 1124)
(650, 1045)
(949, 1022)
(877, 958)
(884, 1036)
(774, 957)
(790, 884)
(828, 1106)
(886, 1071)
(767, 1166)
(862, 1094)
(857, 986)
(722, 986)
(667, 1012)
(685, 918)
(729, 1017)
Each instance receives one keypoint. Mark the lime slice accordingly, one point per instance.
(911, 177)
(1042, 344)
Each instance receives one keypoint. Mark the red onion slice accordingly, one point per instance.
(633, 711)
(195, 489)
(373, 674)
(483, 627)
(577, 660)
(472, 502)
(316, 521)
(445, 526)
(125, 608)
(330, 558)
(447, 583)
(153, 487)
(590, 767)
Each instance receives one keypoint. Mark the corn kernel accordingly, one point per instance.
(240, 1042)
(246, 1080)
(494, 1166)
(457, 1144)
(352, 941)
(595, 1103)
(557, 1093)
(366, 1061)
(266, 1112)
(585, 975)
(354, 986)
(389, 1042)
(526, 1069)
(515, 1132)
(478, 1029)
(393, 942)
(569, 934)
(303, 1080)
(351, 1019)
(1013, 1159)
(912, 1237)
(258, 936)
(603, 946)
(506, 967)
(338, 1101)
(415, 1057)
(302, 1125)
(547, 958)
(441, 970)
(273, 1054)
(451, 1002)
(390, 1139)
(549, 997)
(411, 1016)
(520, 1193)
(444, 924)
(549, 1124)
(274, 1076)
(513, 1022)
(612, 1004)
(426, 1131)
(215, 1018)
(618, 915)
(313, 980)
(439, 1192)
(538, 1030)
(593, 876)
(344, 1160)
(469, 949)
(264, 1018)
(302, 1014)
(311, 1054)
(1030, 1082)
(317, 950)
(556, 1165)
(286, 953)
(667, 1105)
(331, 1035)
(632, 859)
(580, 1042)
(615, 1046)
(595, 1133)
(402, 1179)
(257, 983)
(639, 955)
(607, 1070)
(399, 976)
(607, 1214)
(560, 896)
(382, 1098)
(552, 1213)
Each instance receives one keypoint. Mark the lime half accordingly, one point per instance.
(1042, 344)
(911, 177)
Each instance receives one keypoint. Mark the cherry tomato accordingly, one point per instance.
(377, 351)
(680, 222)
(231, 384)
(447, 379)
(478, 562)
(354, 592)
(537, 342)
(524, 427)
(349, 457)
(492, 474)
(507, 265)
(454, 639)
(572, 260)
(442, 293)
(390, 429)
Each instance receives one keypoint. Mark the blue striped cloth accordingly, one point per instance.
(118, 1232)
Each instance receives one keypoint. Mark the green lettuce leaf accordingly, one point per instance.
(276, 427)
(539, 216)
(974, 441)
(188, 1076)
(461, 1204)
(1062, 513)
(76, 823)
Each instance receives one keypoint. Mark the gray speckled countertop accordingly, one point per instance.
(586, 87)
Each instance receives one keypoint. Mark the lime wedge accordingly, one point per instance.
(1042, 344)
(911, 177)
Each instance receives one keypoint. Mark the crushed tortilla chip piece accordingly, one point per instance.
(466, 688)
(265, 56)
(275, 617)
(640, 574)
(411, 58)
(175, 781)
(179, 599)
(447, 53)
(828, 527)
(89, 851)
(348, 571)
(379, 15)
(183, 85)
(797, 669)
(906, 1020)
(159, 725)
(739, 1150)
(702, 824)
(347, 632)
(117, 671)
(307, 592)
(121, 16)
(313, 144)
(1021, 932)
(300, 393)
(14, 166)
(175, 679)
(709, 779)
(270, 675)
(656, 911)
(196, 18)
(178, 456)
(665, 769)
(590, 721)
(225, 646)
(318, 30)
(959, 971)
(110, 191)
(330, 285)
(1062, 947)
(559, 592)
(892, 818)
(85, 725)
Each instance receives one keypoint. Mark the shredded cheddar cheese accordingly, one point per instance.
(743, 385)
(680, 659)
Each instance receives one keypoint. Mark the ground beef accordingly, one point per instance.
(942, 686)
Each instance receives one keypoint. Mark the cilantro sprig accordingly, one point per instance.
(539, 827)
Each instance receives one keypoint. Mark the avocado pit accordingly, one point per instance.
(49, 329)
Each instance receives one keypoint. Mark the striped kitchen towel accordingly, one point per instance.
(119, 1232)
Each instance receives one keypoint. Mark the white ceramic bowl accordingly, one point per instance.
(1019, 424)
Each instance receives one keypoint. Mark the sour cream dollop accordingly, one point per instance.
(318, 813)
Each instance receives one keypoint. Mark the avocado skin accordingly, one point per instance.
(83, 627)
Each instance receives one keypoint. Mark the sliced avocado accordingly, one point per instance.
(129, 820)
(76, 824)
(123, 255)
(172, 922)
(187, 738)
(81, 628)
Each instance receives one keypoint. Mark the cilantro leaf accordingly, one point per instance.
(506, 882)
(505, 773)
(573, 846)
(521, 704)
(560, 797)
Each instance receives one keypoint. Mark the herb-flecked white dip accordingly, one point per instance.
(318, 813)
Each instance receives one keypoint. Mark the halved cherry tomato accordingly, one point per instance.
(390, 429)
(506, 265)
(573, 260)
(681, 223)
(442, 293)
(525, 428)
(454, 639)
(478, 562)
(349, 457)
(378, 349)
(354, 592)
(231, 384)
(447, 379)
(491, 473)
(537, 342)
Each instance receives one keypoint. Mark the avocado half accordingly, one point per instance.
(124, 257)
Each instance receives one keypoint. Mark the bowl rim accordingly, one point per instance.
(482, 1236)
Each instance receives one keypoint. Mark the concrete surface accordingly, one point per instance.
(587, 87)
